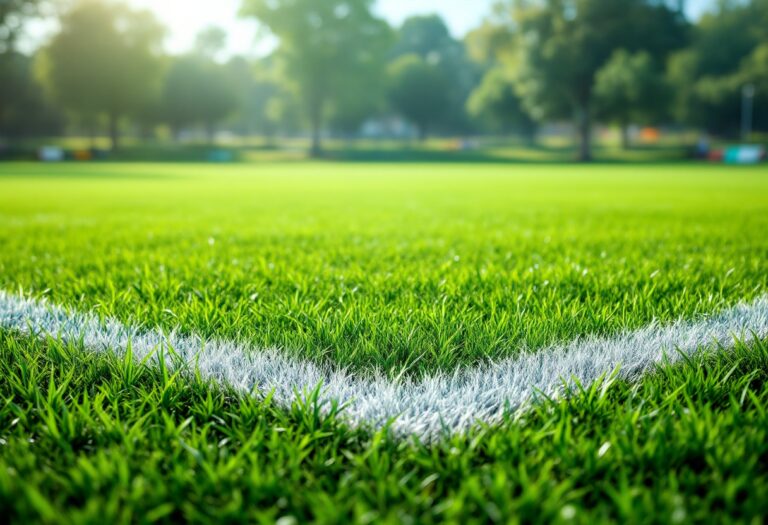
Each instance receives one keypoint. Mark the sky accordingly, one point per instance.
(185, 18)
(461, 16)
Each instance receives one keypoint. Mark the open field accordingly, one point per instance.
(406, 271)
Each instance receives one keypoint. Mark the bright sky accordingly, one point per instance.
(461, 16)
(185, 18)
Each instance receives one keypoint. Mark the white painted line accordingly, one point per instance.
(428, 408)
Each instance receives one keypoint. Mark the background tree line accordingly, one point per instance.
(337, 65)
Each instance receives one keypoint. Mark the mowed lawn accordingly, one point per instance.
(405, 269)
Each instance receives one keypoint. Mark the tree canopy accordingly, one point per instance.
(630, 89)
(23, 110)
(496, 103)
(417, 91)
(727, 52)
(561, 45)
(326, 47)
(13, 13)
(443, 57)
(106, 61)
(336, 67)
(198, 91)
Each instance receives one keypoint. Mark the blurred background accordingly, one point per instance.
(252, 80)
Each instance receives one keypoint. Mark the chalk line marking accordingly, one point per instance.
(430, 407)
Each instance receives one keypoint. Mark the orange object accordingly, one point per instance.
(82, 155)
(650, 134)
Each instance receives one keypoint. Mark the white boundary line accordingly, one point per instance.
(442, 404)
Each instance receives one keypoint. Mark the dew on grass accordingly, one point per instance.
(568, 512)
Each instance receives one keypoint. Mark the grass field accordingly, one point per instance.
(405, 270)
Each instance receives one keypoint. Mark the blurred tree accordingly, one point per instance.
(265, 106)
(751, 80)
(24, 112)
(13, 68)
(363, 94)
(630, 89)
(105, 60)
(251, 102)
(493, 42)
(725, 54)
(198, 91)
(496, 103)
(210, 42)
(326, 47)
(561, 46)
(12, 16)
(359, 100)
(427, 35)
(428, 38)
(417, 90)
(754, 72)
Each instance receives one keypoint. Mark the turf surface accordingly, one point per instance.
(402, 268)
(407, 269)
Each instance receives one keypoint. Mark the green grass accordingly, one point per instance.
(99, 440)
(402, 268)
(407, 268)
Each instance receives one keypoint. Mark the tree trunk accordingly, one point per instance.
(316, 122)
(316, 150)
(529, 135)
(147, 132)
(423, 133)
(625, 143)
(114, 132)
(92, 134)
(210, 133)
(584, 126)
(269, 138)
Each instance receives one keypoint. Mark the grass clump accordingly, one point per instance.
(95, 438)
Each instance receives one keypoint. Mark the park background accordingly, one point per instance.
(519, 80)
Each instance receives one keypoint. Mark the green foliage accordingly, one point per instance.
(265, 106)
(328, 48)
(494, 39)
(561, 46)
(105, 61)
(630, 89)
(24, 111)
(210, 42)
(427, 35)
(417, 91)
(428, 38)
(198, 91)
(754, 71)
(725, 54)
(12, 16)
(496, 103)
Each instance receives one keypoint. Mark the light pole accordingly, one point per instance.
(747, 108)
